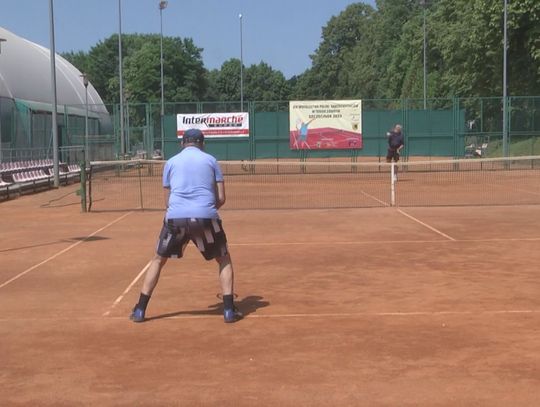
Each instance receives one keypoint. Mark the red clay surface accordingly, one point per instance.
(345, 307)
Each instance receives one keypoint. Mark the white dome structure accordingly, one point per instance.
(25, 74)
(26, 100)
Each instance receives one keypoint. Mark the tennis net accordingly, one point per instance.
(136, 184)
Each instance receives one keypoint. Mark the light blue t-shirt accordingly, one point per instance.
(191, 175)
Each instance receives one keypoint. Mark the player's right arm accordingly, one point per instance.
(166, 181)
(166, 195)
(219, 186)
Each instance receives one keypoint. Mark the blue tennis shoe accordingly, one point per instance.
(232, 315)
(137, 315)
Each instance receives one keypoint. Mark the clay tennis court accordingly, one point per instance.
(432, 306)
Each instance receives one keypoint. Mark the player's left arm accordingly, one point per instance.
(219, 185)
(220, 194)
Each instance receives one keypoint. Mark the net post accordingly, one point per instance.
(392, 184)
(82, 190)
(139, 165)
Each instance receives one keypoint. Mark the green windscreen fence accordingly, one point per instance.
(428, 134)
(455, 128)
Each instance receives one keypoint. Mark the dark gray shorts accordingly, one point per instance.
(207, 234)
(392, 154)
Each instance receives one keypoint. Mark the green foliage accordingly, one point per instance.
(365, 52)
(519, 148)
(225, 83)
(369, 53)
(265, 83)
(184, 74)
(261, 82)
(328, 78)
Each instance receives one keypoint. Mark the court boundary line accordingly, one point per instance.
(512, 189)
(35, 266)
(374, 198)
(362, 314)
(527, 192)
(127, 290)
(378, 242)
(426, 225)
(254, 315)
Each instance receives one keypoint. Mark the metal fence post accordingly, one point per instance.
(82, 190)
(393, 184)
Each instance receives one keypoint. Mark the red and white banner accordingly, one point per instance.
(325, 125)
(214, 125)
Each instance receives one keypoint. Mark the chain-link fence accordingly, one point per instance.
(451, 127)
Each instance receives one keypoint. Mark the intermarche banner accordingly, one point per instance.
(214, 125)
(325, 125)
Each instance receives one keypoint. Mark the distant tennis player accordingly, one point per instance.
(395, 143)
(194, 191)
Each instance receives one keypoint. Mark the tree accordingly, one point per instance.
(468, 45)
(226, 85)
(79, 59)
(261, 83)
(364, 52)
(264, 83)
(184, 73)
(339, 37)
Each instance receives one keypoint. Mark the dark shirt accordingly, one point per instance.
(395, 140)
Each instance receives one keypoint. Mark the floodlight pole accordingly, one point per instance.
(56, 175)
(86, 144)
(162, 6)
(121, 81)
(424, 5)
(1, 41)
(241, 65)
(505, 85)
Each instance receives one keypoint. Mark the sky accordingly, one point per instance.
(282, 33)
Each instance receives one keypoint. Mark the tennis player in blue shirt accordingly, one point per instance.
(194, 191)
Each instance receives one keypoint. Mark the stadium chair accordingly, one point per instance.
(41, 174)
(74, 169)
(4, 183)
(17, 177)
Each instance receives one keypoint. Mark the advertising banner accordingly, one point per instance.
(214, 125)
(325, 125)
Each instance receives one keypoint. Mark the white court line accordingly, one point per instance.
(356, 314)
(255, 315)
(343, 243)
(121, 297)
(527, 192)
(512, 189)
(391, 314)
(368, 314)
(508, 239)
(62, 251)
(427, 226)
(374, 198)
(379, 242)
